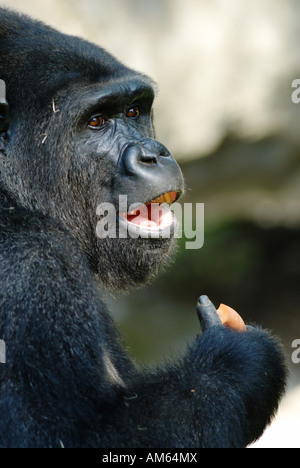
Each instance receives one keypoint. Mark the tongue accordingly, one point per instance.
(152, 216)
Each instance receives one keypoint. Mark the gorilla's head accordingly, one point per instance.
(80, 135)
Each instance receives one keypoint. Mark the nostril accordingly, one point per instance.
(152, 151)
(148, 158)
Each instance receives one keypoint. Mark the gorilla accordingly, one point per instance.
(76, 131)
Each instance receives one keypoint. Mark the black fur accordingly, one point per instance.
(68, 380)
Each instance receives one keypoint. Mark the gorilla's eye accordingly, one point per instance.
(96, 122)
(133, 112)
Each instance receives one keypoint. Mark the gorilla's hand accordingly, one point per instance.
(207, 314)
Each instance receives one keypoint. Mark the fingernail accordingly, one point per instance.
(203, 300)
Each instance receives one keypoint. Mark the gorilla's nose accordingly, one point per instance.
(148, 170)
(137, 156)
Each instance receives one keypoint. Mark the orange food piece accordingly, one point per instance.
(230, 318)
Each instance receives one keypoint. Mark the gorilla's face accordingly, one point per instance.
(82, 140)
(129, 180)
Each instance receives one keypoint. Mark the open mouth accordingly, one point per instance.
(154, 216)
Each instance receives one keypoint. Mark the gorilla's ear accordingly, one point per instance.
(4, 115)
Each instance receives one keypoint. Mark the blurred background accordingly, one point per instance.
(224, 70)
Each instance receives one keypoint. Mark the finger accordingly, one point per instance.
(207, 314)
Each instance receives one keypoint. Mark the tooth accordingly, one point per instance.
(167, 198)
